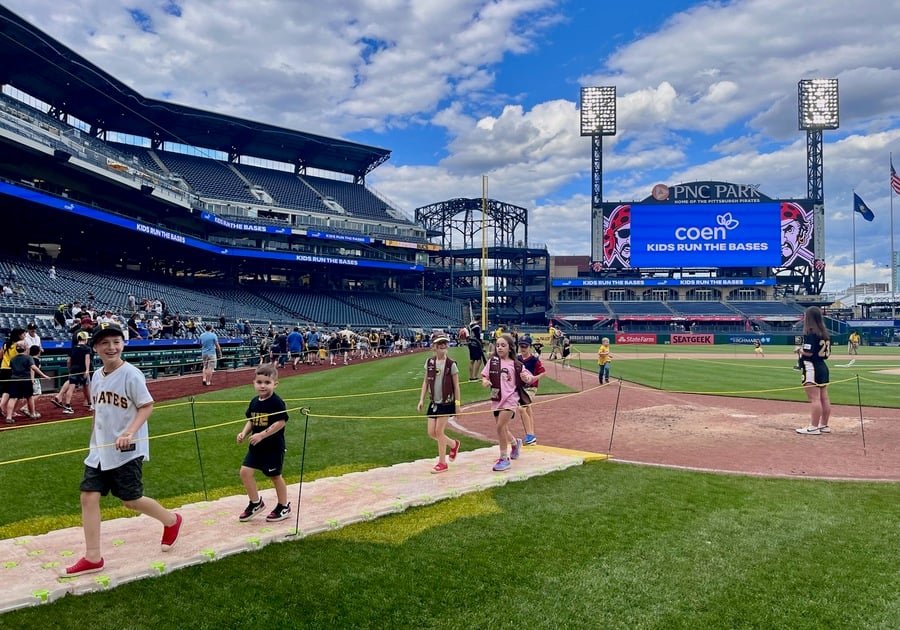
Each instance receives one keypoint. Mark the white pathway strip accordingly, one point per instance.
(30, 565)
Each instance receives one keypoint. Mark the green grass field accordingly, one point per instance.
(604, 544)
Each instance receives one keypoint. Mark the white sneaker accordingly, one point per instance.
(809, 431)
(825, 429)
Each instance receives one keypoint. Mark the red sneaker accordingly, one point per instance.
(454, 450)
(439, 468)
(170, 533)
(82, 567)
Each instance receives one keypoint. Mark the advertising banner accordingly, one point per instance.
(644, 338)
(692, 340)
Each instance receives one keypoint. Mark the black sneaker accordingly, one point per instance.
(251, 510)
(58, 403)
(279, 513)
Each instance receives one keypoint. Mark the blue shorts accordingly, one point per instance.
(125, 482)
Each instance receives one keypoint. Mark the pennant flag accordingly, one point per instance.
(860, 206)
(895, 179)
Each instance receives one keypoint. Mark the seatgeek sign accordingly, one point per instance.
(731, 234)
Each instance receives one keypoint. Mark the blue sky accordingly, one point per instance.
(458, 89)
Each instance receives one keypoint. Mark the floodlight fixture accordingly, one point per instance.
(817, 104)
(598, 111)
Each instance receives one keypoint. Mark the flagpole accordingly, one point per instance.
(854, 260)
(891, 261)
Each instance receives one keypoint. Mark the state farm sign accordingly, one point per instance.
(635, 338)
(706, 340)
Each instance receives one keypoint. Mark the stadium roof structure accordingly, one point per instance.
(35, 63)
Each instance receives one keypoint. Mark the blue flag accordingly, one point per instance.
(860, 206)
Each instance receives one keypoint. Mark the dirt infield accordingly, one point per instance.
(714, 433)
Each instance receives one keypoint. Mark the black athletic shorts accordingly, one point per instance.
(441, 409)
(125, 482)
(269, 463)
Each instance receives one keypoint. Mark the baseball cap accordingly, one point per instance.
(439, 337)
(82, 336)
(105, 330)
(86, 320)
(31, 326)
(525, 340)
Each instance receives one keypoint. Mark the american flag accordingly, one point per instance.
(895, 179)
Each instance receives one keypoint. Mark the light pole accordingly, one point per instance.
(598, 119)
(817, 109)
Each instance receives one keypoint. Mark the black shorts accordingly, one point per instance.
(78, 379)
(814, 372)
(441, 409)
(5, 375)
(476, 352)
(21, 388)
(497, 413)
(125, 482)
(269, 463)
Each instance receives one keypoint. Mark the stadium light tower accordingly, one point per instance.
(817, 110)
(598, 119)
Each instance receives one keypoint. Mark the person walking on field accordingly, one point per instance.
(814, 351)
(507, 377)
(120, 443)
(533, 364)
(604, 360)
(264, 431)
(209, 353)
(441, 383)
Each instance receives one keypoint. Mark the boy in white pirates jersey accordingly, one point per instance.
(119, 446)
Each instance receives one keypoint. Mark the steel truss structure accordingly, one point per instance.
(517, 279)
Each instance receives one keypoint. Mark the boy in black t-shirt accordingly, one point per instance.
(267, 416)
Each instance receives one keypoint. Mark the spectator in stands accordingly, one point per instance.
(130, 303)
(32, 338)
(132, 327)
(209, 353)
(9, 351)
(167, 330)
(190, 328)
(59, 316)
(7, 289)
(86, 325)
(155, 327)
(107, 317)
(52, 272)
(76, 309)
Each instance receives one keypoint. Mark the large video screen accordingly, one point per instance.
(708, 235)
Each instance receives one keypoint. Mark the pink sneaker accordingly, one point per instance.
(439, 468)
(170, 533)
(454, 450)
(82, 567)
